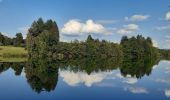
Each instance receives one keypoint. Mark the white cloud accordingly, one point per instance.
(167, 42)
(119, 75)
(3, 33)
(137, 18)
(91, 27)
(75, 27)
(167, 16)
(136, 90)
(155, 66)
(73, 79)
(128, 29)
(163, 80)
(106, 21)
(132, 27)
(72, 27)
(155, 43)
(105, 85)
(128, 79)
(160, 28)
(167, 93)
(167, 70)
(167, 36)
(24, 31)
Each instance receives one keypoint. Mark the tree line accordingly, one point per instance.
(43, 41)
(17, 41)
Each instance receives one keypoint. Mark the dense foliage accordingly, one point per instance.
(43, 74)
(165, 54)
(16, 41)
(42, 38)
(138, 47)
(43, 41)
(90, 48)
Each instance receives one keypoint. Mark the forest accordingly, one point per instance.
(43, 41)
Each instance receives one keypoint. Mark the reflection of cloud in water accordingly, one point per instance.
(73, 79)
(128, 79)
(105, 85)
(155, 66)
(163, 80)
(166, 61)
(167, 93)
(137, 90)
(167, 70)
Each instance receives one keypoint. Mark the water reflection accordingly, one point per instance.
(42, 74)
(138, 68)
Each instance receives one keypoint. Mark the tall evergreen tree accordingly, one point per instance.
(36, 34)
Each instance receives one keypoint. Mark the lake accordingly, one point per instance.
(91, 81)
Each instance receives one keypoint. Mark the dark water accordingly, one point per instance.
(85, 80)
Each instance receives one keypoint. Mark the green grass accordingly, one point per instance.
(12, 54)
(2, 59)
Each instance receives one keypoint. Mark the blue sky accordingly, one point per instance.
(104, 19)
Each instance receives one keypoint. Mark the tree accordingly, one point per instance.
(37, 33)
(89, 38)
(18, 41)
(138, 47)
(124, 39)
(149, 40)
(52, 27)
(4, 40)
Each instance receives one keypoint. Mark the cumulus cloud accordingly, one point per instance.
(106, 21)
(163, 80)
(128, 29)
(128, 79)
(137, 90)
(75, 28)
(155, 43)
(24, 31)
(72, 27)
(119, 75)
(167, 16)
(160, 28)
(91, 27)
(73, 79)
(155, 66)
(167, 36)
(167, 70)
(137, 18)
(167, 93)
(105, 85)
(3, 33)
(167, 42)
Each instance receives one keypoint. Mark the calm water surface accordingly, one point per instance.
(24, 83)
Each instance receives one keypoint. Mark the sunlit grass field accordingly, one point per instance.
(12, 54)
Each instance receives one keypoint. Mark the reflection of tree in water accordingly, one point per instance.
(138, 67)
(17, 67)
(42, 75)
(90, 65)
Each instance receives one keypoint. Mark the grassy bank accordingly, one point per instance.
(12, 54)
